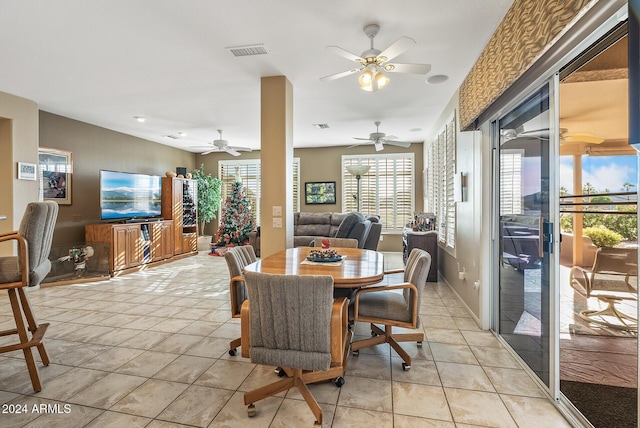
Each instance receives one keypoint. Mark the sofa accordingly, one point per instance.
(308, 226)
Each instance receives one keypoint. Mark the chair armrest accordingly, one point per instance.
(245, 330)
(23, 255)
(583, 280)
(235, 310)
(389, 272)
(339, 329)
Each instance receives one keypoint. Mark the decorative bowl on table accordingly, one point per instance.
(324, 256)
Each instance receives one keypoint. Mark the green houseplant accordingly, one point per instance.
(209, 196)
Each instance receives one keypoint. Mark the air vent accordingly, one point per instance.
(173, 137)
(249, 50)
(321, 125)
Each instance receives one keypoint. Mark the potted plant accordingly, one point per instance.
(209, 195)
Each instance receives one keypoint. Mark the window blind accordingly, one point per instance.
(386, 189)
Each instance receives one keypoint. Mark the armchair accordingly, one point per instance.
(612, 279)
(28, 268)
(295, 323)
(237, 258)
(394, 305)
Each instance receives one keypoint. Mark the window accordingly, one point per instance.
(441, 170)
(249, 172)
(510, 181)
(387, 189)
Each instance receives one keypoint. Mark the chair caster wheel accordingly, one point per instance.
(280, 372)
(406, 367)
(356, 353)
(339, 381)
(232, 352)
(251, 410)
(419, 344)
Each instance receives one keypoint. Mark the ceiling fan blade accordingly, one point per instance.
(240, 149)
(390, 137)
(398, 47)
(360, 138)
(232, 152)
(404, 144)
(344, 53)
(208, 151)
(339, 75)
(379, 146)
(408, 68)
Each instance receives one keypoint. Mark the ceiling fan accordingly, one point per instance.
(380, 138)
(221, 145)
(373, 62)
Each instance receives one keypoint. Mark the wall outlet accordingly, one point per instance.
(476, 284)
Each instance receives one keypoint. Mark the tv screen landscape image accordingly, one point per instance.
(126, 195)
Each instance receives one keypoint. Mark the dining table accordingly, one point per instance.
(358, 267)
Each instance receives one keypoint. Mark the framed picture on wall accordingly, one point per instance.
(56, 170)
(320, 192)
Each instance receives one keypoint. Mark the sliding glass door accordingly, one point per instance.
(525, 231)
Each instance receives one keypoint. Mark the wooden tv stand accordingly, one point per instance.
(133, 246)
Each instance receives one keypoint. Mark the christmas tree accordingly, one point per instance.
(237, 219)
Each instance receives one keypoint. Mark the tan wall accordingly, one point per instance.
(93, 149)
(18, 143)
(323, 164)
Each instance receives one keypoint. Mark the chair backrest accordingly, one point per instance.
(37, 226)
(347, 224)
(373, 238)
(290, 320)
(337, 242)
(416, 272)
(237, 258)
(616, 261)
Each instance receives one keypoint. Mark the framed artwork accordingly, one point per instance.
(320, 192)
(56, 168)
(26, 171)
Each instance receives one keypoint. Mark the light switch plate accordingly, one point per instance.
(277, 223)
(276, 211)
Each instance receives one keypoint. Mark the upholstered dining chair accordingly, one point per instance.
(237, 258)
(295, 323)
(28, 269)
(394, 306)
(337, 242)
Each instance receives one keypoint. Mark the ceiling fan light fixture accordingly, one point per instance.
(366, 80)
(381, 80)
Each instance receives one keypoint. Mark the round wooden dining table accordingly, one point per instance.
(358, 268)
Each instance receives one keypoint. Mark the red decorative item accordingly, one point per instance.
(326, 243)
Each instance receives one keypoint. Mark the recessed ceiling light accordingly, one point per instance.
(436, 79)
(140, 118)
(415, 129)
(182, 134)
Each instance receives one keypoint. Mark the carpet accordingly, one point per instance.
(604, 405)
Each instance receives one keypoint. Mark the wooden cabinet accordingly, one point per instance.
(427, 241)
(161, 240)
(133, 245)
(179, 203)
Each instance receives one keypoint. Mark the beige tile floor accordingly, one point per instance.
(149, 349)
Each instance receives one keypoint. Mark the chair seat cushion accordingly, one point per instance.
(385, 305)
(9, 271)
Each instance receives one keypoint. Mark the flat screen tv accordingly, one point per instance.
(125, 195)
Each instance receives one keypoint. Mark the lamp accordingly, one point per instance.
(358, 171)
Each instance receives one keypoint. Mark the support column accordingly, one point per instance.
(276, 160)
(578, 249)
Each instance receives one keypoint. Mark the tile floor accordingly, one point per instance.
(149, 349)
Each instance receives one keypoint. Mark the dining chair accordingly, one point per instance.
(28, 269)
(295, 323)
(395, 305)
(237, 258)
